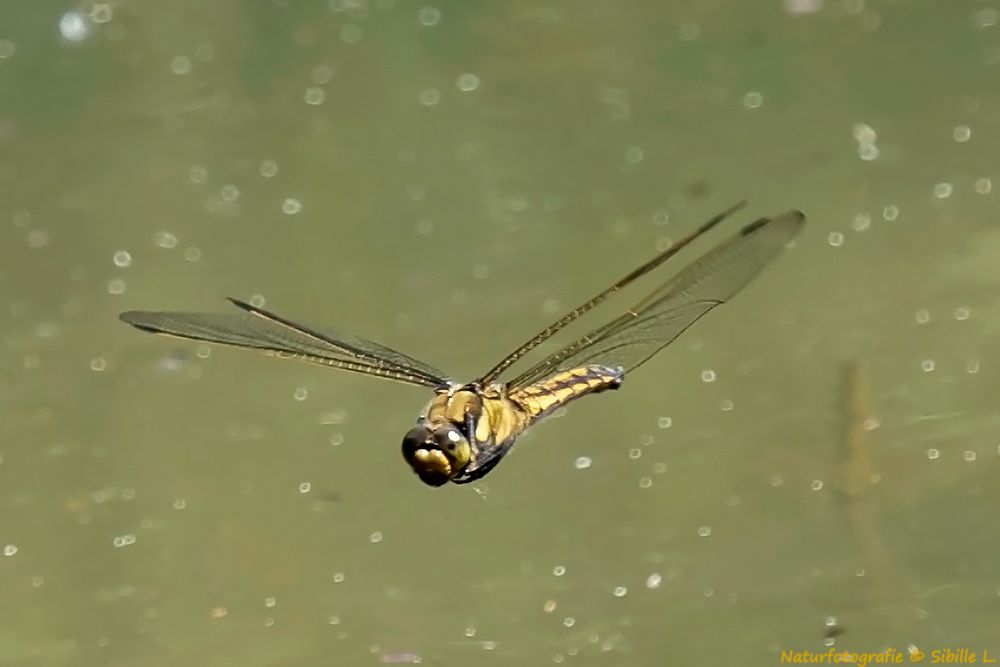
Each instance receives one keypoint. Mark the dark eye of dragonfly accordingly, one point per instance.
(436, 456)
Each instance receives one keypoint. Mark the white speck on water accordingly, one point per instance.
(338, 577)
(653, 581)
(559, 570)
(582, 462)
(816, 485)
(270, 602)
(10, 550)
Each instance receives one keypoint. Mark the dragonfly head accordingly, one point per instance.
(436, 452)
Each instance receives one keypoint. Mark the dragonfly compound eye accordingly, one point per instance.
(428, 461)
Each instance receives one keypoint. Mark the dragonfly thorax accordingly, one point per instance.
(437, 451)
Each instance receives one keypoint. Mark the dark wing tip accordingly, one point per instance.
(242, 305)
(139, 319)
(793, 218)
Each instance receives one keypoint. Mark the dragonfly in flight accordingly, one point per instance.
(467, 428)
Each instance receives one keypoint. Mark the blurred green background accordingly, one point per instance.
(810, 465)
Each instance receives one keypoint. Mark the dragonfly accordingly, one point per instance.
(466, 429)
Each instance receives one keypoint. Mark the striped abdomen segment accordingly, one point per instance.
(543, 397)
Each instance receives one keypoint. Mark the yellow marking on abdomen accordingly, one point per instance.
(543, 397)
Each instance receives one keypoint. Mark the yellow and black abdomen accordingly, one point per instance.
(542, 398)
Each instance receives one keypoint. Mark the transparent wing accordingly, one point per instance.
(258, 329)
(653, 323)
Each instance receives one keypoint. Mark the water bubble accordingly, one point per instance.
(619, 591)
(429, 16)
(179, 503)
(653, 581)
(98, 364)
(569, 621)
(961, 133)
(943, 190)
(229, 193)
(983, 185)
(890, 212)
(375, 537)
(582, 462)
(270, 602)
(305, 487)
(933, 454)
(634, 453)
(268, 168)
(726, 405)
(708, 375)
(467, 82)
(645, 482)
(664, 422)
(165, 240)
(314, 96)
(927, 365)
(74, 26)
(321, 74)
(338, 577)
(922, 316)
(816, 485)
(861, 222)
(180, 65)
(969, 455)
(868, 152)
(351, 33)
(124, 540)
(430, 96)
(864, 133)
(962, 313)
(10, 550)
(704, 531)
(634, 155)
(291, 206)
(7, 49)
(192, 253)
(116, 286)
(122, 259)
(301, 394)
(753, 100)
(257, 300)
(198, 174)
(836, 239)
(559, 570)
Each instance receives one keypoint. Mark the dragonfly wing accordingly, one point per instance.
(653, 323)
(262, 330)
